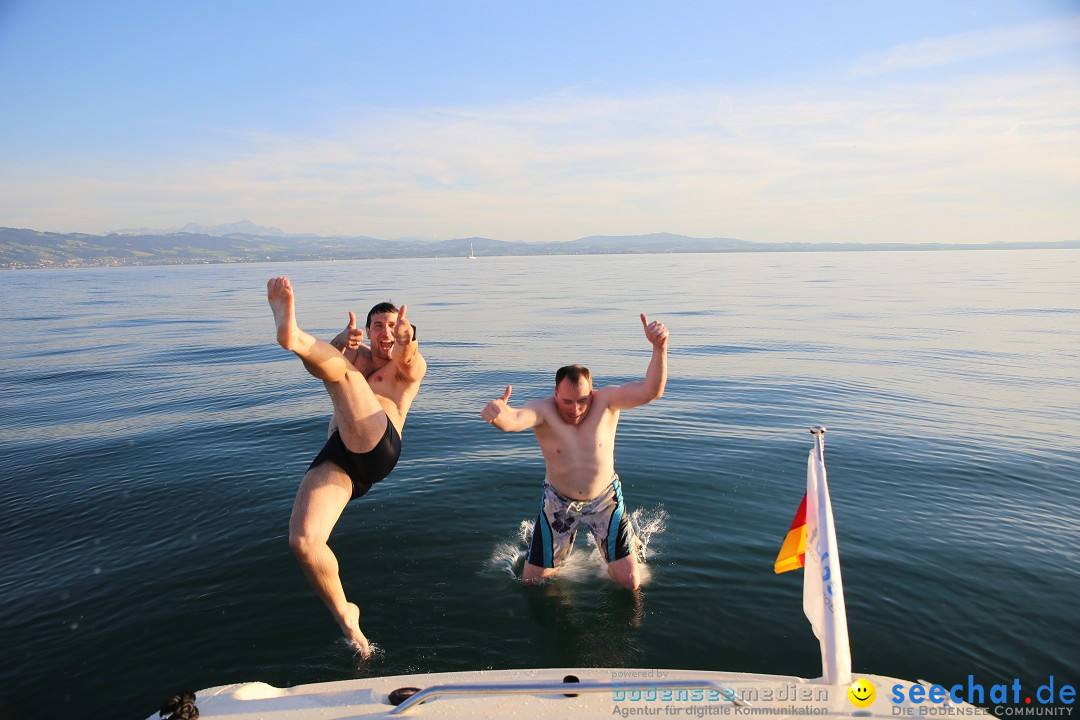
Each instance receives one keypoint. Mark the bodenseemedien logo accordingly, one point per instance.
(862, 693)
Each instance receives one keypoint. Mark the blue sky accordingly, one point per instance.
(864, 121)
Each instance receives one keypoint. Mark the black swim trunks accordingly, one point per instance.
(365, 469)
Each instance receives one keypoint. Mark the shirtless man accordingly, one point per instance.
(372, 392)
(576, 431)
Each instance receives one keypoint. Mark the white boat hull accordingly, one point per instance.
(601, 693)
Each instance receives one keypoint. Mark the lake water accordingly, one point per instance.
(153, 436)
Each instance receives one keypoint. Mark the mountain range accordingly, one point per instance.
(244, 227)
(246, 242)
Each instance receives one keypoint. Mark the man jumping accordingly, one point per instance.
(576, 431)
(371, 399)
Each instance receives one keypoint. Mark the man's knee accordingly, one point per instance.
(535, 573)
(626, 572)
(303, 546)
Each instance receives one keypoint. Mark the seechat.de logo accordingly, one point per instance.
(1004, 696)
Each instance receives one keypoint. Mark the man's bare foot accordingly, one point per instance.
(351, 628)
(280, 294)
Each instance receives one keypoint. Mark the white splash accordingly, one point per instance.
(508, 557)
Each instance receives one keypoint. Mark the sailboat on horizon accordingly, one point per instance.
(471, 255)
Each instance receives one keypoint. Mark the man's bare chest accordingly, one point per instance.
(591, 435)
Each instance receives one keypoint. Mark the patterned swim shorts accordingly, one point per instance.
(557, 525)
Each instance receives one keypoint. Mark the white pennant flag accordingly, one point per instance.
(823, 590)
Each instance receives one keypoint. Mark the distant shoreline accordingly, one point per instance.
(23, 249)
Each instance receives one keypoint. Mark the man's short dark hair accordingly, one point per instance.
(383, 307)
(575, 373)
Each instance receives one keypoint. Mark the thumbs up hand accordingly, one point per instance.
(403, 329)
(354, 336)
(655, 332)
(496, 407)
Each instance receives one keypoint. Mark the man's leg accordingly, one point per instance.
(614, 535)
(626, 572)
(547, 546)
(362, 420)
(323, 494)
(322, 359)
(535, 573)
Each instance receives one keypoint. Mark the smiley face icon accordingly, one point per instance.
(861, 693)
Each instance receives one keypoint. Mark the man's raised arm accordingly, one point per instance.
(406, 352)
(651, 388)
(508, 419)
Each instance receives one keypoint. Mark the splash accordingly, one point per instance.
(648, 524)
(508, 557)
(377, 652)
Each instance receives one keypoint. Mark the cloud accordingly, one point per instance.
(826, 163)
(983, 157)
(968, 46)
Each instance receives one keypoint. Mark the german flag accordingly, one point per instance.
(793, 552)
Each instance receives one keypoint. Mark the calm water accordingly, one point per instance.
(153, 436)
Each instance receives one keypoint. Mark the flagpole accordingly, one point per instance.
(818, 431)
(811, 544)
(823, 589)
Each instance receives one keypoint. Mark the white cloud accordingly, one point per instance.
(970, 159)
(973, 45)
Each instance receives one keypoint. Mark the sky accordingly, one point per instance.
(834, 121)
